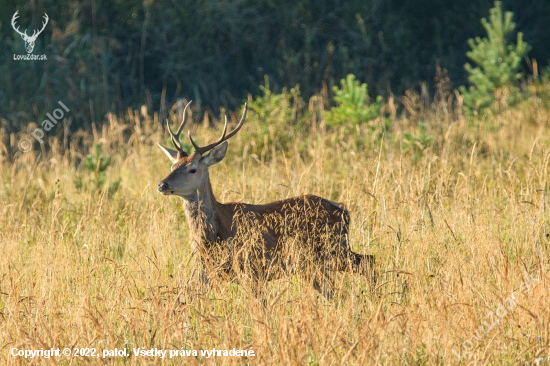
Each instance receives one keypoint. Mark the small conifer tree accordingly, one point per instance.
(498, 62)
(353, 103)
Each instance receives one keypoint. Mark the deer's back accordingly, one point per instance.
(303, 215)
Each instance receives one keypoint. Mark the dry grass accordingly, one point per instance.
(454, 229)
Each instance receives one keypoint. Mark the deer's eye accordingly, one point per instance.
(192, 171)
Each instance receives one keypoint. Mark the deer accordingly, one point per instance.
(29, 41)
(305, 235)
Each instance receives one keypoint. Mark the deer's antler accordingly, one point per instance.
(202, 150)
(176, 136)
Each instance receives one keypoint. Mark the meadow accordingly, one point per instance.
(455, 209)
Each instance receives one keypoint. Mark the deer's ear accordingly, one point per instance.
(215, 155)
(172, 154)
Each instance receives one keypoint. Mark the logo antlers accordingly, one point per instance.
(29, 41)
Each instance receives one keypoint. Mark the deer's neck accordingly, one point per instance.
(201, 211)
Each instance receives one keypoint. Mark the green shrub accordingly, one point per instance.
(416, 143)
(353, 105)
(96, 180)
(278, 117)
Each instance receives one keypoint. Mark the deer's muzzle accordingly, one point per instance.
(164, 187)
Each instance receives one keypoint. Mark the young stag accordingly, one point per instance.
(306, 235)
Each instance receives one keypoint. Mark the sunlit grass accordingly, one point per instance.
(455, 227)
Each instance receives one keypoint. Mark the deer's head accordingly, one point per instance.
(189, 173)
(29, 40)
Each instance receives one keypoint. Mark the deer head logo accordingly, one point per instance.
(29, 41)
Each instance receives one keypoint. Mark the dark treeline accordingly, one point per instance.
(107, 55)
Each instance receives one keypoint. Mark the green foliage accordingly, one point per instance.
(353, 104)
(498, 62)
(97, 166)
(279, 118)
(105, 56)
(416, 143)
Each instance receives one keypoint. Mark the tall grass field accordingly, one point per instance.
(455, 209)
